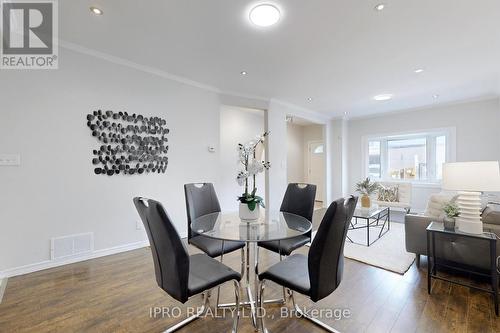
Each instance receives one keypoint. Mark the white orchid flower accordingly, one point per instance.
(255, 167)
(241, 177)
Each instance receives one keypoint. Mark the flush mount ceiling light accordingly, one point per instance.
(435, 96)
(96, 11)
(309, 99)
(243, 73)
(383, 97)
(380, 7)
(419, 70)
(264, 15)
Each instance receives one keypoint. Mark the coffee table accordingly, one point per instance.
(373, 218)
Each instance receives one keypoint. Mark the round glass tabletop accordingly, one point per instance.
(228, 226)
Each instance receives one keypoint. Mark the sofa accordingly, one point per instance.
(472, 253)
(404, 196)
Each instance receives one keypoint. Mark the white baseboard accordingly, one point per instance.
(55, 263)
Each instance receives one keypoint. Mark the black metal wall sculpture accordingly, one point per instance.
(130, 144)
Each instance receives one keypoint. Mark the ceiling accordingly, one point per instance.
(340, 53)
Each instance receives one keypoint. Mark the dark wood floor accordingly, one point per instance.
(115, 294)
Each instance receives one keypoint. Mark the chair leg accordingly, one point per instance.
(277, 300)
(218, 288)
(260, 307)
(314, 320)
(284, 290)
(237, 302)
(418, 260)
(188, 320)
(242, 262)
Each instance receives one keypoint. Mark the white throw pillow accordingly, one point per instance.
(436, 203)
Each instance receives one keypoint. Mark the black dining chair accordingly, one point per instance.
(319, 273)
(177, 273)
(201, 199)
(299, 200)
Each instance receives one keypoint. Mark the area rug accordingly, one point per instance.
(388, 252)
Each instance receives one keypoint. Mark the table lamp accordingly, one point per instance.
(470, 179)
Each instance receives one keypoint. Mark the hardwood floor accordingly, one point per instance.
(116, 293)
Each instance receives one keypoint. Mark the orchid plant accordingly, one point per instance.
(251, 166)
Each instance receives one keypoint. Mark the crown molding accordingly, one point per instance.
(155, 71)
(124, 62)
(428, 107)
(302, 112)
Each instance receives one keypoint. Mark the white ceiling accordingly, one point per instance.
(339, 52)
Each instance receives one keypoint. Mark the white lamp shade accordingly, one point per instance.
(472, 176)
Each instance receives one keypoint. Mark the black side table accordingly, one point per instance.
(437, 227)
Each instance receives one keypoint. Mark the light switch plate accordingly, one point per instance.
(10, 160)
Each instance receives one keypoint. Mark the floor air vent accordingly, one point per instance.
(71, 245)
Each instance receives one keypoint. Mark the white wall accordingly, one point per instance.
(54, 192)
(237, 125)
(295, 153)
(336, 159)
(477, 135)
(276, 149)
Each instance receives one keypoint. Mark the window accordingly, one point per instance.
(319, 149)
(412, 157)
(440, 155)
(374, 166)
(407, 158)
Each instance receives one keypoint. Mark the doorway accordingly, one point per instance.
(306, 155)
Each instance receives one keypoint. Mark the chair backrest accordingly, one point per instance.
(299, 200)
(201, 199)
(326, 254)
(170, 257)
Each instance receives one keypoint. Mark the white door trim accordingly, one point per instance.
(3, 286)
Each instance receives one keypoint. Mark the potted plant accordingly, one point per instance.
(451, 212)
(251, 163)
(366, 188)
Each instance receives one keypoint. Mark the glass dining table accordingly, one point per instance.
(271, 226)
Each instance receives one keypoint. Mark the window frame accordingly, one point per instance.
(429, 134)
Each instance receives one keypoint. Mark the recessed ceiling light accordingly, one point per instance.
(383, 97)
(243, 73)
(380, 7)
(96, 10)
(264, 15)
(309, 99)
(419, 70)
